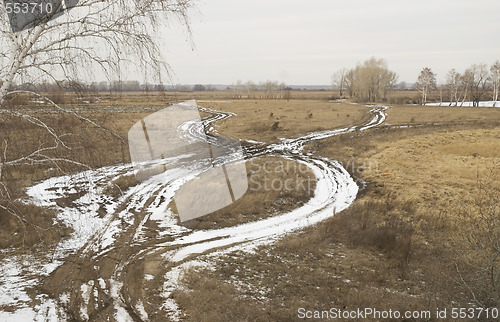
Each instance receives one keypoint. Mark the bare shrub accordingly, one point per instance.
(400, 100)
(377, 225)
(19, 99)
(478, 262)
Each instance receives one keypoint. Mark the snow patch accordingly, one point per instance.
(466, 104)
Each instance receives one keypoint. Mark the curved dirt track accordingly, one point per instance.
(127, 253)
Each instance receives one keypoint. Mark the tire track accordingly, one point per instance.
(125, 255)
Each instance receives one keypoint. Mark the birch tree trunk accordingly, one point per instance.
(495, 79)
(19, 51)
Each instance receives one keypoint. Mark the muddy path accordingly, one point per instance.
(128, 252)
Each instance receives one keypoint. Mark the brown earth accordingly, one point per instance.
(393, 249)
(116, 114)
(398, 247)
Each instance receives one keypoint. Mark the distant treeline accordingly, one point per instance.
(372, 80)
(271, 89)
(104, 86)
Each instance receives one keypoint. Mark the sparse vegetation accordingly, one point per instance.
(395, 247)
(478, 261)
(354, 260)
(295, 117)
(83, 145)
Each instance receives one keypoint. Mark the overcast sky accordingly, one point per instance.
(304, 42)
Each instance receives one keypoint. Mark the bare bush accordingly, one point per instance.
(479, 258)
(377, 225)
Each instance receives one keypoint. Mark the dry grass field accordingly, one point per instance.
(85, 144)
(116, 113)
(397, 247)
(291, 118)
(416, 114)
(401, 245)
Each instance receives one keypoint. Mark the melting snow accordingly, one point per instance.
(335, 191)
(466, 104)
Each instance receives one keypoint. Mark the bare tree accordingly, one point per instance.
(350, 82)
(281, 89)
(376, 78)
(339, 80)
(477, 80)
(238, 89)
(371, 80)
(495, 80)
(466, 82)
(94, 37)
(426, 81)
(97, 34)
(389, 81)
(453, 85)
(251, 88)
(269, 88)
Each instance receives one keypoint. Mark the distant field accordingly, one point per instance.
(416, 114)
(158, 98)
(255, 118)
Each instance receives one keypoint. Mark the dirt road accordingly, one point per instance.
(128, 252)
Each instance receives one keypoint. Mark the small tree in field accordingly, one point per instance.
(426, 81)
(495, 80)
(477, 81)
(339, 79)
(453, 85)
